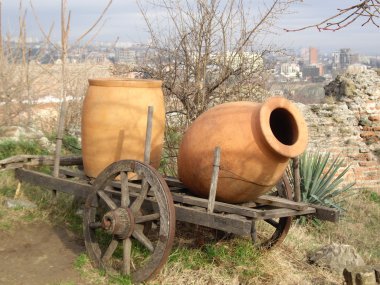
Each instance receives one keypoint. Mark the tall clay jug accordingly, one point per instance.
(256, 142)
(114, 120)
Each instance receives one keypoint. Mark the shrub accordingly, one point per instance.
(168, 163)
(71, 144)
(11, 147)
(321, 179)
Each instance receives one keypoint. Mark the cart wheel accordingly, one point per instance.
(129, 225)
(272, 232)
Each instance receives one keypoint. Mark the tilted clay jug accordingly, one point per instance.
(114, 120)
(256, 141)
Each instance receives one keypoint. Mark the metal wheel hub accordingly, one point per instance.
(119, 222)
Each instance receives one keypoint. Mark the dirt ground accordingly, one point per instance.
(39, 254)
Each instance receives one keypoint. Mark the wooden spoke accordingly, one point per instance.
(95, 225)
(147, 218)
(143, 240)
(140, 199)
(110, 203)
(127, 250)
(124, 189)
(272, 222)
(270, 231)
(110, 250)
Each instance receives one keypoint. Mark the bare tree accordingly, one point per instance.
(64, 46)
(206, 52)
(209, 51)
(17, 75)
(64, 49)
(366, 10)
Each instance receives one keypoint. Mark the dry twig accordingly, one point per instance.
(369, 10)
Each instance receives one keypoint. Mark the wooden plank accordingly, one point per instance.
(280, 202)
(239, 210)
(14, 165)
(326, 213)
(71, 160)
(219, 206)
(73, 173)
(37, 160)
(214, 181)
(282, 212)
(212, 220)
(174, 182)
(17, 158)
(176, 189)
(199, 216)
(42, 160)
(249, 205)
(46, 181)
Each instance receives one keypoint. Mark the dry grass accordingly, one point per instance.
(359, 227)
(287, 263)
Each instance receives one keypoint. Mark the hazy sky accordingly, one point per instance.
(124, 20)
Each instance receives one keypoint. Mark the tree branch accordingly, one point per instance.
(368, 9)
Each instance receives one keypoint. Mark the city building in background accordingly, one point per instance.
(313, 56)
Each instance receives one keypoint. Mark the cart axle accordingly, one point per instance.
(119, 222)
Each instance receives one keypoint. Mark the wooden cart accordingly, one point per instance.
(131, 211)
(129, 223)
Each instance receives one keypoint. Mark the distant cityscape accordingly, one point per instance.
(299, 74)
(309, 65)
(306, 64)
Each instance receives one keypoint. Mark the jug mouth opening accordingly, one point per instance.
(283, 127)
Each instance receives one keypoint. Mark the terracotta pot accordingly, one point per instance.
(114, 119)
(256, 142)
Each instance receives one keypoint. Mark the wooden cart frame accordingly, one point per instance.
(154, 199)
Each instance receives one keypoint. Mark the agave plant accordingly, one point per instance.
(321, 179)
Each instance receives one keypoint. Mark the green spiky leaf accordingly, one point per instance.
(322, 178)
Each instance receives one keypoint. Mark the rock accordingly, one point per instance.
(47, 144)
(79, 212)
(17, 133)
(366, 278)
(12, 204)
(350, 124)
(377, 273)
(336, 257)
(374, 118)
(359, 275)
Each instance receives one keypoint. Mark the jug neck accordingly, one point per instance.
(282, 127)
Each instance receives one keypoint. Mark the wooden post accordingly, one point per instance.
(58, 146)
(18, 191)
(297, 179)
(254, 232)
(148, 135)
(214, 181)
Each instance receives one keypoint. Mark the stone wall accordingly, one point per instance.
(350, 125)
